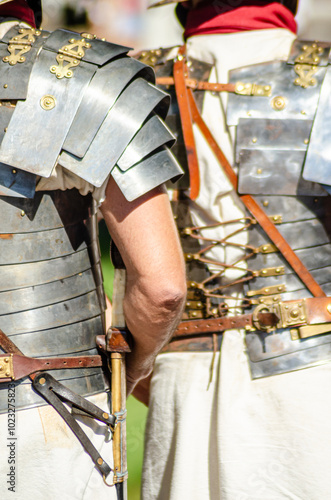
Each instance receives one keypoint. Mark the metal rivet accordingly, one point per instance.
(265, 203)
(259, 171)
(306, 141)
(105, 416)
(14, 171)
(278, 103)
(100, 461)
(42, 381)
(5, 86)
(48, 102)
(254, 140)
(22, 213)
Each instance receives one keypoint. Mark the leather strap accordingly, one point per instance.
(186, 121)
(54, 392)
(315, 311)
(214, 325)
(254, 208)
(194, 84)
(23, 366)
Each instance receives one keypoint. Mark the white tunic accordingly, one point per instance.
(241, 439)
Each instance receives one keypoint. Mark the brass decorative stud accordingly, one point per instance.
(100, 461)
(105, 415)
(48, 102)
(42, 381)
(254, 140)
(278, 103)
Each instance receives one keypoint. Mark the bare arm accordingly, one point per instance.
(146, 236)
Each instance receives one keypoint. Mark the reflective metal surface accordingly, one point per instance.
(267, 171)
(15, 79)
(147, 174)
(100, 52)
(121, 124)
(105, 87)
(26, 147)
(16, 276)
(15, 182)
(318, 161)
(273, 134)
(301, 103)
(152, 135)
(278, 353)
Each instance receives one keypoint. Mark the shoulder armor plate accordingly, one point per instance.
(83, 103)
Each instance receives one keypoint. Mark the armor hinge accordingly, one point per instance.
(268, 290)
(276, 219)
(307, 65)
(252, 89)
(267, 248)
(69, 56)
(20, 44)
(310, 54)
(7, 367)
(269, 271)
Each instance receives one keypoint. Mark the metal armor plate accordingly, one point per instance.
(51, 298)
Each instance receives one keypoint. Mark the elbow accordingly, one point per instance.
(170, 296)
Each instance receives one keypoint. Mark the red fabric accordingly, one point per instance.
(20, 10)
(226, 19)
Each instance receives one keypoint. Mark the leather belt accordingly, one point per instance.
(16, 366)
(198, 85)
(265, 317)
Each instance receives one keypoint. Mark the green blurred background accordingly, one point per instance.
(137, 412)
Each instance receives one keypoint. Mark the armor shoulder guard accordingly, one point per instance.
(84, 102)
(281, 110)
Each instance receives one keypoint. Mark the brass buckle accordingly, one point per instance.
(290, 314)
(6, 366)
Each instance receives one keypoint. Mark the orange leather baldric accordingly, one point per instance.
(186, 121)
